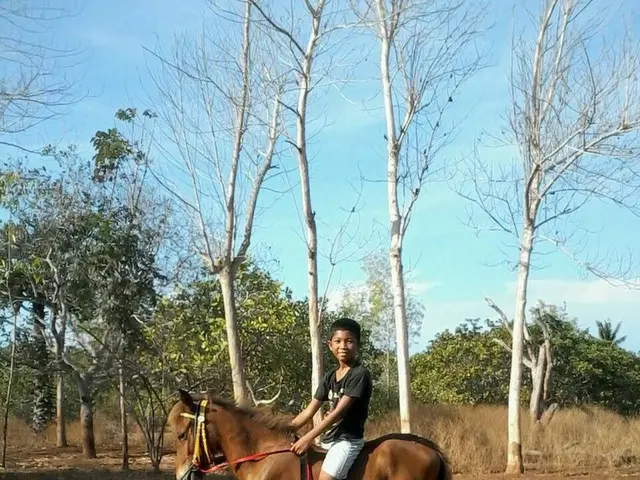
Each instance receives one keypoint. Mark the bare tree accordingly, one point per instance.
(538, 358)
(32, 87)
(426, 54)
(221, 111)
(301, 32)
(574, 117)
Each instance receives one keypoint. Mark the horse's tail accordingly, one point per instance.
(445, 469)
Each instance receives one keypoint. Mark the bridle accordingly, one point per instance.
(199, 439)
(200, 445)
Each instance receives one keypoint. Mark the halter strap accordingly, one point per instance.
(199, 433)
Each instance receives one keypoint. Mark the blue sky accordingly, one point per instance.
(450, 268)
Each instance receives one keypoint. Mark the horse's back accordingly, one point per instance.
(400, 456)
(396, 456)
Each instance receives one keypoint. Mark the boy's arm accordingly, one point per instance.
(306, 415)
(331, 418)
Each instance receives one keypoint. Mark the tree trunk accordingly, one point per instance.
(61, 430)
(309, 215)
(238, 378)
(547, 373)
(396, 233)
(59, 327)
(402, 337)
(514, 453)
(42, 386)
(12, 360)
(123, 423)
(536, 402)
(86, 416)
(312, 235)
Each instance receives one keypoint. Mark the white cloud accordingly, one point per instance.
(422, 288)
(588, 301)
(334, 297)
(575, 292)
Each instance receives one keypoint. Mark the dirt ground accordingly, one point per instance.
(68, 464)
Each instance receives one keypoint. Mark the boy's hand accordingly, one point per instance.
(302, 445)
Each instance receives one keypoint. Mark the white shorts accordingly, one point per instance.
(340, 456)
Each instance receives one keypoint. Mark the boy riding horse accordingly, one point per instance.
(348, 389)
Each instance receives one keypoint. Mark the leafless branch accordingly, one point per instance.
(218, 111)
(33, 89)
(222, 112)
(576, 122)
(266, 402)
(500, 312)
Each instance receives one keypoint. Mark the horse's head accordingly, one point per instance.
(196, 442)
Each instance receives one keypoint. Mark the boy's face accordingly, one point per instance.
(343, 345)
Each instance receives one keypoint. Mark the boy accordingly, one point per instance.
(348, 389)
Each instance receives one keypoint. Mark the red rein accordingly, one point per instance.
(255, 457)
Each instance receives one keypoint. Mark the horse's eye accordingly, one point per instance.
(182, 436)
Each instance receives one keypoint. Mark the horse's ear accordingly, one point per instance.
(185, 397)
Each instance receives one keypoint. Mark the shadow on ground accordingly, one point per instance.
(99, 474)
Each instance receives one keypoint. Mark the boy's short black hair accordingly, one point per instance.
(347, 324)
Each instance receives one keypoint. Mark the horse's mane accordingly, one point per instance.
(278, 423)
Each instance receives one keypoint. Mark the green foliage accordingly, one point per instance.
(609, 333)
(187, 336)
(469, 366)
(20, 405)
(464, 366)
(88, 257)
(113, 148)
(186, 341)
(590, 371)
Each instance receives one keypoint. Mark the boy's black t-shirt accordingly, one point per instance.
(356, 384)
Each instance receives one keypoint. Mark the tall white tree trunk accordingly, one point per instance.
(514, 453)
(309, 215)
(396, 232)
(238, 377)
(402, 336)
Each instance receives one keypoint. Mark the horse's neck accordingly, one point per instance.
(240, 437)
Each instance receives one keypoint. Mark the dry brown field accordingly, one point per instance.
(575, 444)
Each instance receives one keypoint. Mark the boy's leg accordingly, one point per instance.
(340, 458)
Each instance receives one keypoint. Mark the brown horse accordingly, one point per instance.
(256, 445)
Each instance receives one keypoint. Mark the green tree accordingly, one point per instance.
(588, 371)
(609, 333)
(470, 365)
(463, 366)
(89, 260)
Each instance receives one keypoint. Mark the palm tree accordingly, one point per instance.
(608, 333)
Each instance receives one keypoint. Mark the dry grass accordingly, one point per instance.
(107, 434)
(474, 439)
